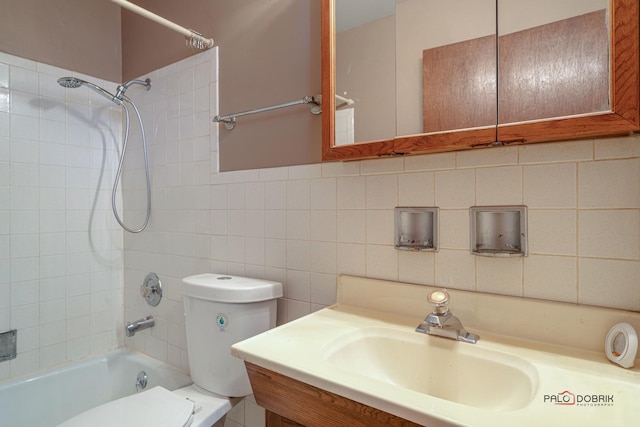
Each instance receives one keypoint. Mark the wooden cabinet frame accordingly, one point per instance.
(292, 403)
(623, 117)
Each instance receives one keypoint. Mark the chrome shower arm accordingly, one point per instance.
(121, 89)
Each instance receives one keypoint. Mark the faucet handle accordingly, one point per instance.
(439, 300)
(151, 289)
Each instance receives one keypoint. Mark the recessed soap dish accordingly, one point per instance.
(498, 231)
(416, 229)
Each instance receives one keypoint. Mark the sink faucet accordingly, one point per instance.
(441, 322)
(133, 327)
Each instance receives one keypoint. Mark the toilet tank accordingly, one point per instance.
(221, 310)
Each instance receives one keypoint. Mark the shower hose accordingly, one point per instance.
(121, 162)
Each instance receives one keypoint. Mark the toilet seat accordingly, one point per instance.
(209, 407)
(157, 407)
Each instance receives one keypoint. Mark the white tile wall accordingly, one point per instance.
(584, 214)
(182, 143)
(60, 251)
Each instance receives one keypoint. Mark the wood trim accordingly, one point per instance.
(360, 151)
(274, 420)
(310, 406)
(327, 24)
(625, 57)
(446, 141)
(605, 124)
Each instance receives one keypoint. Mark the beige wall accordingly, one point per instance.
(78, 35)
(269, 54)
(366, 73)
(147, 46)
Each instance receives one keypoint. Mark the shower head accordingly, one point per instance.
(73, 82)
(69, 82)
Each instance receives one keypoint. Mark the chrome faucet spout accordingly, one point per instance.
(138, 325)
(441, 322)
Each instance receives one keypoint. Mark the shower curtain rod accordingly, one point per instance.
(194, 38)
(230, 119)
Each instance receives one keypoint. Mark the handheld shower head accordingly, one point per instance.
(69, 82)
(73, 82)
(121, 100)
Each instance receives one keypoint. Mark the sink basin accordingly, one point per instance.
(361, 362)
(446, 369)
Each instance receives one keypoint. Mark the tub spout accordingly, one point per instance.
(138, 325)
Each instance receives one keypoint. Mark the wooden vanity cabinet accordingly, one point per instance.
(290, 403)
(621, 117)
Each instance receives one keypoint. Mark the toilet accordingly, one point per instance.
(220, 310)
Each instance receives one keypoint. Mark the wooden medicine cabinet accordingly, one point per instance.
(514, 78)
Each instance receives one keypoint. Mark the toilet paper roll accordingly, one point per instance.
(621, 345)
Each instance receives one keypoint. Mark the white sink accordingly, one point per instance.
(442, 368)
(530, 354)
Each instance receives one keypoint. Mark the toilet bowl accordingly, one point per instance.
(220, 310)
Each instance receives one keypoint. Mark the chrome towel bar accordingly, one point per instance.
(230, 119)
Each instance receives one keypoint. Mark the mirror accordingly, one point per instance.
(560, 67)
(380, 66)
(365, 70)
(426, 75)
(549, 52)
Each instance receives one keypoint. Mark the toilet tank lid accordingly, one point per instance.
(231, 289)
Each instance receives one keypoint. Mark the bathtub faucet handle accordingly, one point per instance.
(151, 289)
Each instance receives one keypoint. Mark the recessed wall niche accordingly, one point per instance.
(498, 231)
(416, 228)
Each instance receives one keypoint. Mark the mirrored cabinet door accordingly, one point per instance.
(412, 67)
(446, 65)
(358, 81)
(403, 76)
(568, 69)
(421, 76)
(365, 70)
(553, 61)
(446, 58)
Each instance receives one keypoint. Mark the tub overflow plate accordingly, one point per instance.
(141, 381)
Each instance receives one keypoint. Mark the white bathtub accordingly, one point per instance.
(51, 397)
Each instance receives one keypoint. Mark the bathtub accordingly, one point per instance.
(48, 398)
